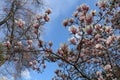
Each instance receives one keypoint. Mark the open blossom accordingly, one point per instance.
(7, 44)
(107, 67)
(108, 29)
(73, 40)
(29, 42)
(50, 43)
(102, 4)
(38, 17)
(110, 39)
(36, 25)
(20, 22)
(101, 78)
(19, 43)
(46, 18)
(98, 73)
(73, 29)
(89, 29)
(98, 46)
(89, 19)
(84, 7)
(97, 27)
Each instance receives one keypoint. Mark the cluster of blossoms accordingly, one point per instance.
(20, 23)
(94, 42)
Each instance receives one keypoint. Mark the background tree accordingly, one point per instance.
(21, 27)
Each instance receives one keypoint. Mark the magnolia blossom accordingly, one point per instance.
(50, 43)
(34, 62)
(46, 18)
(84, 7)
(38, 17)
(110, 39)
(29, 42)
(7, 44)
(75, 14)
(107, 67)
(20, 22)
(36, 25)
(19, 43)
(73, 29)
(48, 11)
(102, 4)
(98, 27)
(101, 78)
(93, 12)
(65, 23)
(98, 46)
(98, 73)
(71, 20)
(89, 19)
(73, 40)
(89, 29)
(97, 36)
(30, 63)
(108, 29)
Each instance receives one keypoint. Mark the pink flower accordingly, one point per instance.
(89, 29)
(97, 36)
(65, 23)
(50, 43)
(108, 29)
(100, 78)
(48, 11)
(29, 42)
(73, 41)
(107, 67)
(71, 20)
(98, 46)
(89, 19)
(7, 44)
(73, 29)
(38, 17)
(19, 43)
(84, 7)
(102, 4)
(36, 25)
(20, 23)
(34, 62)
(98, 27)
(30, 63)
(46, 18)
(110, 39)
(98, 73)
(60, 51)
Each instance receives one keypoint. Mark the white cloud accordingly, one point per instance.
(26, 74)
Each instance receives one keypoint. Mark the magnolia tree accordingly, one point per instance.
(93, 51)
